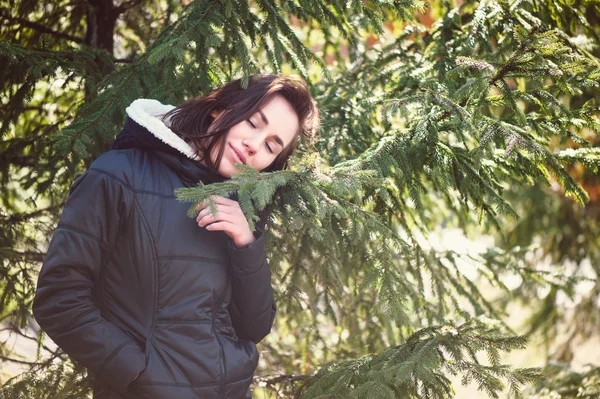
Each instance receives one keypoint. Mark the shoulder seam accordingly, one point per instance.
(112, 176)
(129, 187)
(80, 232)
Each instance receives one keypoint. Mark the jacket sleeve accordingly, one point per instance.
(252, 307)
(63, 304)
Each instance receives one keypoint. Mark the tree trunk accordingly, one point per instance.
(101, 20)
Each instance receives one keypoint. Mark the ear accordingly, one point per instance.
(216, 114)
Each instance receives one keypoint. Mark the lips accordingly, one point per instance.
(237, 154)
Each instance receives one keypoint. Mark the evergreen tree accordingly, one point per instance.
(465, 122)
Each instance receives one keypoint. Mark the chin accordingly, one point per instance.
(227, 170)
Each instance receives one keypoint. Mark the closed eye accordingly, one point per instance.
(251, 124)
(269, 147)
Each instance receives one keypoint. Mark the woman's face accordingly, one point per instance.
(259, 139)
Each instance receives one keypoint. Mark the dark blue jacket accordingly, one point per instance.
(132, 285)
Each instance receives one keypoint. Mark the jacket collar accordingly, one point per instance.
(149, 114)
(145, 129)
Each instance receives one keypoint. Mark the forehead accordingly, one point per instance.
(282, 119)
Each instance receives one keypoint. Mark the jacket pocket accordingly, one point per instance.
(158, 382)
(189, 352)
(241, 358)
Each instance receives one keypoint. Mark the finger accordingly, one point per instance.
(201, 205)
(229, 217)
(204, 204)
(221, 210)
(203, 213)
(207, 217)
(205, 220)
(225, 209)
(224, 201)
(229, 206)
(220, 226)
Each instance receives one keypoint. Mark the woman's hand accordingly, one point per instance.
(229, 218)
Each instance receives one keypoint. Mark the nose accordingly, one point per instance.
(250, 145)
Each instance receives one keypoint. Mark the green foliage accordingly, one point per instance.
(590, 157)
(255, 190)
(215, 37)
(563, 383)
(417, 368)
(60, 381)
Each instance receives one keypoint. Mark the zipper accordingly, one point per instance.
(154, 315)
(221, 350)
(150, 332)
(222, 353)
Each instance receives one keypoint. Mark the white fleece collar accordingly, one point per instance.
(148, 113)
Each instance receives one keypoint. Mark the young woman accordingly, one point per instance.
(155, 304)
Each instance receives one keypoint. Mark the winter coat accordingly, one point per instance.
(131, 284)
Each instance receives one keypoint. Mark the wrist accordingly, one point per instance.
(244, 241)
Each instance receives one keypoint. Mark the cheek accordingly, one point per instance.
(237, 132)
(259, 163)
(273, 164)
(214, 153)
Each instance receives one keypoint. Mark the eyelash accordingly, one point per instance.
(267, 144)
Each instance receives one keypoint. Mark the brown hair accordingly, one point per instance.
(193, 120)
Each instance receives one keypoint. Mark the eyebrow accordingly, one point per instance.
(266, 121)
(264, 118)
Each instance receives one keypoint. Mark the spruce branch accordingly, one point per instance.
(20, 217)
(255, 191)
(415, 368)
(41, 28)
(590, 157)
